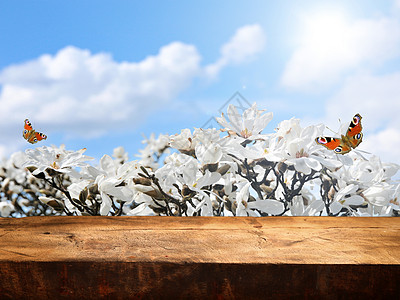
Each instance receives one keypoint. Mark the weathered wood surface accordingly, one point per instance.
(219, 258)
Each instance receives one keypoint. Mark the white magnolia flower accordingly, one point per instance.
(141, 210)
(45, 159)
(395, 201)
(155, 147)
(380, 194)
(109, 177)
(209, 154)
(6, 208)
(345, 197)
(120, 155)
(184, 142)
(242, 198)
(249, 125)
(13, 169)
(296, 146)
(156, 144)
(206, 136)
(187, 171)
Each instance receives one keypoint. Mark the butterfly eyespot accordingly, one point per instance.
(25, 131)
(35, 139)
(338, 150)
(356, 119)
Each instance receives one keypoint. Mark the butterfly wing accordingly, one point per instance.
(27, 129)
(354, 134)
(335, 144)
(40, 136)
(30, 134)
(28, 125)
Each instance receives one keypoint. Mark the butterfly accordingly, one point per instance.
(31, 135)
(344, 144)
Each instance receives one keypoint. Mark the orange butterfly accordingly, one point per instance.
(344, 144)
(31, 135)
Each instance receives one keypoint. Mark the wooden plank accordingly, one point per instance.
(198, 257)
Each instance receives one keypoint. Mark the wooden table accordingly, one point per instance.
(199, 257)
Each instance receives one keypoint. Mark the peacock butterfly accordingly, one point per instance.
(344, 144)
(31, 135)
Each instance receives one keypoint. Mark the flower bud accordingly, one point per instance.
(6, 182)
(233, 206)
(190, 152)
(227, 203)
(331, 193)
(52, 172)
(223, 170)
(46, 192)
(157, 209)
(53, 203)
(266, 164)
(142, 181)
(83, 195)
(154, 193)
(282, 167)
(41, 175)
(94, 189)
(186, 192)
(215, 204)
(266, 189)
(210, 167)
(31, 169)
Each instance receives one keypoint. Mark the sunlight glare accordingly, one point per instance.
(326, 31)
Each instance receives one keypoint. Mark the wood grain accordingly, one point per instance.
(198, 257)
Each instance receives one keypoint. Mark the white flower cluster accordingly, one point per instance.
(236, 171)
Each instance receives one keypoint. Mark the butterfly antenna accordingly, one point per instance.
(332, 130)
(363, 151)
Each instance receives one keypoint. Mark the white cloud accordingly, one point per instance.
(248, 41)
(88, 93)
(333, 45)
(396, 4)
(78, 93)
(377, 99)
(384, 143)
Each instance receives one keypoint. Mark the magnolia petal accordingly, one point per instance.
(315, 207)
(354, 200)
(313, 163)
(262, 122)
(268, 206)
(141, 210)
(335, 207)
(297, 206)
(301, 166)
(107, 164)
(349, 189)
(243, 194)
(208, 178)
(105, 205)
(235, 118)
(52, 202)
(331, 164)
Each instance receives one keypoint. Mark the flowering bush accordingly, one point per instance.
(207, 172)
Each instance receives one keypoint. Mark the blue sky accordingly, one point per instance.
(98, 74)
